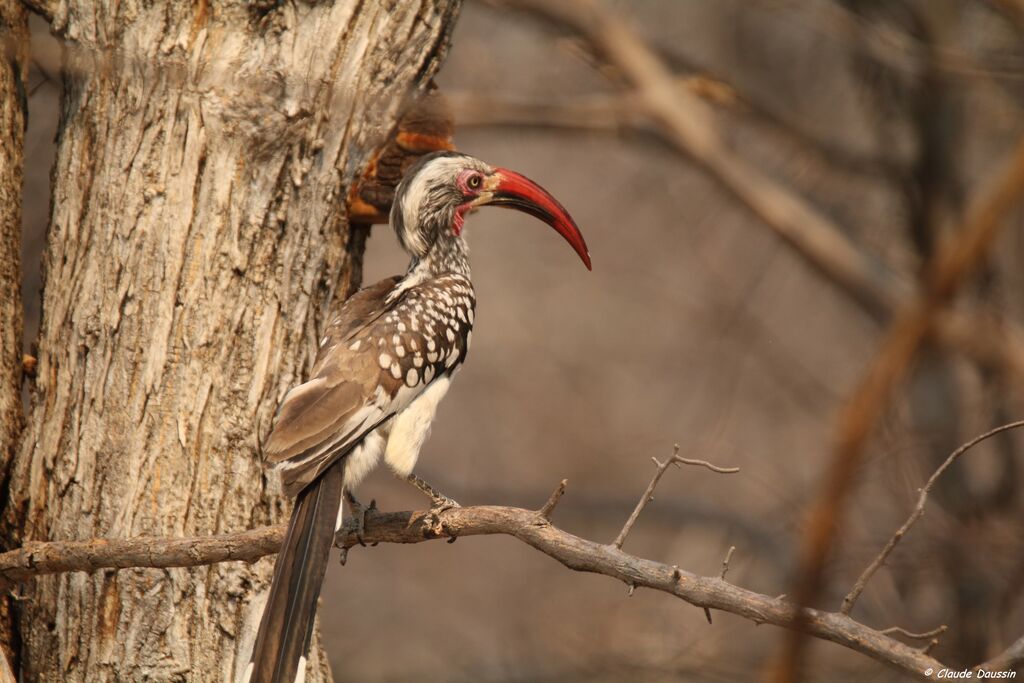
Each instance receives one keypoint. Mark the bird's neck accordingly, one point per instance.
(449, 255)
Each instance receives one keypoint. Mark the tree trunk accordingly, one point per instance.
(198, 236)
(13, 44)
(13, 49)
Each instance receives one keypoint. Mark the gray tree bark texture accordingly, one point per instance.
(13, 45)
(198, 237)
(13, 61)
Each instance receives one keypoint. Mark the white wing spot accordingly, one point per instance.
(400, 351)
(418, 360)
(428, 373)
(401, 327)
(450, 334)
(384, 360)
(355, 345)
(411, 378)
(396, 371)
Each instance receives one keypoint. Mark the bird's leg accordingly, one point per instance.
(440, 501)
(359, 512)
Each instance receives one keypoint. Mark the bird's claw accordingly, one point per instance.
(359, 513)
(442, 503)
(439, 503)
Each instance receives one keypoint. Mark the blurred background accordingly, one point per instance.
(698, 326)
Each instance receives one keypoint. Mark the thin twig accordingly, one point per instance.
(726, 561)
(553, 500)
(721, 575)
(704, 463)
(648, 495)
(858, 587)
(915, 636)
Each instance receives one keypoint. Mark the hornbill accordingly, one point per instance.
(383, 365)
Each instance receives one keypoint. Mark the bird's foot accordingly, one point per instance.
(359, 512)
(439, 502)
(442, 503)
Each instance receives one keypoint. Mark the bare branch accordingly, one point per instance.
(36, 558)
(526, 525)
(858, 587)
(649, 493)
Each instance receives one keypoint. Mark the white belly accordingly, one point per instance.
(360, 462)
(410, 428)
(365, 456)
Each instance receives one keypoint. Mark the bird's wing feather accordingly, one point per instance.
(361, 309)
(311, 413)
(372, 363)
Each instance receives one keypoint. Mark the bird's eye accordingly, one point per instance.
(474, 182)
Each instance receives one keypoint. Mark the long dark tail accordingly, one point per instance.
(287, 624)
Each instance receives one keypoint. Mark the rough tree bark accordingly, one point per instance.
(13, 46)
(197, 238)
(13, 53)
